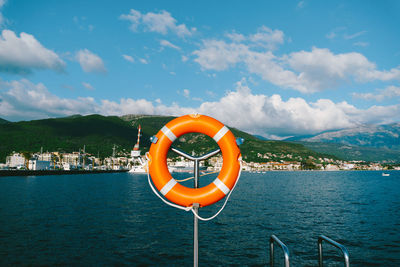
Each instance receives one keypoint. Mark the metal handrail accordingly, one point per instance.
(203, 157)
(271, 250)
(336, 244)
(195, 205)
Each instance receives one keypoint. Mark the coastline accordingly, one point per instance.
(4, 173)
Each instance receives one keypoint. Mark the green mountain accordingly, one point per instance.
(253, 149)
(3, 121)
(99, 134)
(351, 152)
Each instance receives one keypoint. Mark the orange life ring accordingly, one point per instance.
(168, 186)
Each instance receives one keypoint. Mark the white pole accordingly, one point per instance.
(196, 206)
(196, 221)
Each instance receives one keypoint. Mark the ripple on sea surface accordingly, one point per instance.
(115, 219)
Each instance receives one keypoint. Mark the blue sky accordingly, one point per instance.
(274, 68)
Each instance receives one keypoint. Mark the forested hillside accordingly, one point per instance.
(99, 134)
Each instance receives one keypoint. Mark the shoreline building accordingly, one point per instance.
(16, 160)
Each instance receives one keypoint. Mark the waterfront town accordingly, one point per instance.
(268, 162)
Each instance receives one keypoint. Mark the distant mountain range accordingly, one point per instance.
(366, 142)
(378, 136)
(100, 133)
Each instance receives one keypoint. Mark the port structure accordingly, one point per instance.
(135, 151)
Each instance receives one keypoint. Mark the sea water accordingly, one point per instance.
(115, 219)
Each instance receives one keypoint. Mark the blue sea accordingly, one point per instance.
(116, 220)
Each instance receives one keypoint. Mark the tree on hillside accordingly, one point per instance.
(308, 165)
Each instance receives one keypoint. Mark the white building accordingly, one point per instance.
(331, 167)
(348, 166)
(3, 166)
(216, 163)
(73, 159)
(15, 160)
(37, 165)
(66, 166)
(47, 156)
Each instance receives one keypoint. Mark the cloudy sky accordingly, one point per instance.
(273, 68)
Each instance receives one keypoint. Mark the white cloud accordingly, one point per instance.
(380, 95)
(300, 4)
(354, 35)
(26, 100)
(320, 68)
(2, 19)
(87, 86)
(219, 55)
(368, 96)
(304, 71)
(186, 93)
(361, 44)
(23, 54)
(236, 37)
(261, 114)
(372, 74)
(166, 43)
(330, 35)
(267, 38)
(335, 32)
(342, 32)
(133, 17)
(161, 22)
(271, 69)
(143, 61)
(184, 58)
(128, 58)
(81, 23)
(240, 108)
(263, 38)
(197, 99)
(90, 62)
(211, 94)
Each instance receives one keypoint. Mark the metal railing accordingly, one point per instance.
(334, 243)
(196, 205)
(285, 249)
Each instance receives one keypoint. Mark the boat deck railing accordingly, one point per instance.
(285, 249)
(333, 243)
(273, 239)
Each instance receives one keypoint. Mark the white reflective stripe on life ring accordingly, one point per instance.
(168, 186)
(171, 136)
(221, 186)
(220, 133)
